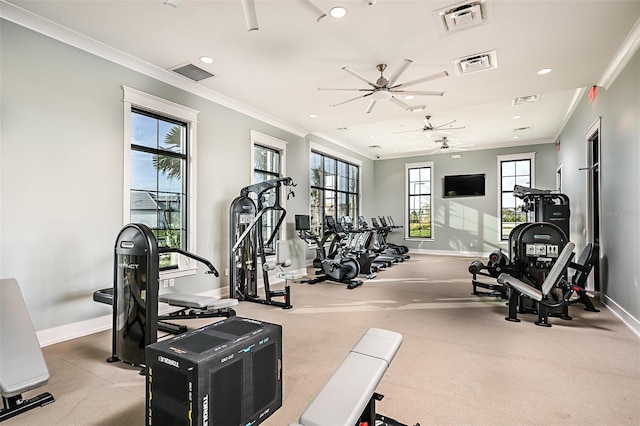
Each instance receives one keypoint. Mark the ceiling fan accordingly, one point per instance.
(386, 89)
(251, 18)
(428, 128)
(446, 147)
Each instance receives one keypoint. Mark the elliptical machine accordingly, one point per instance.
(341, 268)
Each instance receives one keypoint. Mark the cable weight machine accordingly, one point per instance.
(247, 245)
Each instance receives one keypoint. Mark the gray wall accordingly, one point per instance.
(465, 224)
(619, 107)
(61, 175)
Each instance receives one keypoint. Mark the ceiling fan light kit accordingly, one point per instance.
(384, 89)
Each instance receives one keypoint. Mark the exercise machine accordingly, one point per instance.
(349, 397)
(342, 245)
(23, 365)
(544, 296)
(248, 245)
(135, 295)
(342, 268)
(543, 205)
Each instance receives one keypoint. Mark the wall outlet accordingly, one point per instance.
(226, 272)
(165, 283)
(172, 282)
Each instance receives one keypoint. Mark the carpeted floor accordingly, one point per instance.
(460, 361)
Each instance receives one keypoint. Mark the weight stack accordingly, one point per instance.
(226, 374)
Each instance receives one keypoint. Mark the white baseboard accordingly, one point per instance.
(627, 319)
(62, 333)
(449, 252)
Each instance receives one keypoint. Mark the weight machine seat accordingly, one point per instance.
(555, 275)
(23, 367)
(345, 396)
(196, 302)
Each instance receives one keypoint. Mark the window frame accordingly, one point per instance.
(407, 230)
(531, 156)
(143, 101)
(327, 152)
(280, 146)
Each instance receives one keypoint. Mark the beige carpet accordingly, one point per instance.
(460, 362)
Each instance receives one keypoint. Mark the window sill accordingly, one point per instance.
(418, 239)
(177, 273)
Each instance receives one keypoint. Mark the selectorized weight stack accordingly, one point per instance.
(248, 245)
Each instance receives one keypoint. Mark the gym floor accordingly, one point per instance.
(460, 361)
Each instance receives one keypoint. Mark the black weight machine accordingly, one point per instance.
(342, 268)
(135, 295)
(247, 242)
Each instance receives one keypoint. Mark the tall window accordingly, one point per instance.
(513, 170)
(266, 166)
(334, 189)
(419, 177)
(159, 150)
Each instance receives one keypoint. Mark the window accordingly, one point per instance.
(268, 163)
(517, 169)
(335, 188)
(419, 189)
(159, 175)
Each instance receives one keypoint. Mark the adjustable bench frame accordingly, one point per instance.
(349, 397)
(23, 365)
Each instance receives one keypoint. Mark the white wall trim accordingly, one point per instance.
(622, 57)
(63, 333)
(65, 35)
(618, 311)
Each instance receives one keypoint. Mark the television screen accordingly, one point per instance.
(464, 185)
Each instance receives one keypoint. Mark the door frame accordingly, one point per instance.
(594, 221)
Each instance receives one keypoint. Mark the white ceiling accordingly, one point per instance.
(278, 69)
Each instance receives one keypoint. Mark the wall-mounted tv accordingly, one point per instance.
(464, 185)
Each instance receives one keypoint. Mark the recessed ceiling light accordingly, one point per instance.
(515, 117)
(544, 71)
(409, 97)
(515, 137)
(313, 115)
(417, 108)
(206, 59)
(338, 12)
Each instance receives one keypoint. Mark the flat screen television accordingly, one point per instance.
(464, 185)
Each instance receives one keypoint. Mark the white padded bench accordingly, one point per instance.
(344, 398)
(22, 365)
(196, 302)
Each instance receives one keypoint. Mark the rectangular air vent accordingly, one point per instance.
(192, 72)
(525, 100)
(460, 16)
(477, 62)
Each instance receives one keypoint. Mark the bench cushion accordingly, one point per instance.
(196, 302)
(23, 367)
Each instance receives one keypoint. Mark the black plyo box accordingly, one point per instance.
(226, 374)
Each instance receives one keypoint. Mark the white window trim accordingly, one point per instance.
(408, 166)
(279, 145)
(510, 157)
(133, 97)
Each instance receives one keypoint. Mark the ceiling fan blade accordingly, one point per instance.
(407, 131)
(250, 16)
(360, 76)
(422, 80)
(349, 100)
(418, 92)
(349, 90)
(371, 105)
(399, 103)
(317, 12)
(403, 67)
(443, 124)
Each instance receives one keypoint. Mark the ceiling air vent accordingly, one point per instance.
(460, 16)
(192, 72)
(478, 62)
(525, 100)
